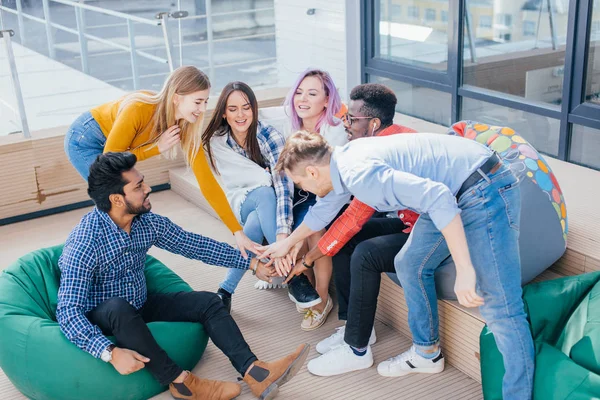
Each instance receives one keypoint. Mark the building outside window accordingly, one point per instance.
(528, 28)
(510, 69)
(430, 14)
(444, 16)
(504, 19)
(413, 12)
(485, 21)
(396, 13)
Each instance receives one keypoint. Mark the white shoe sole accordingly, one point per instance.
(262, 285)
(340, 371)
(412, 371)
(305, 305)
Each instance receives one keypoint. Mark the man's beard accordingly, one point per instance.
(137, 210)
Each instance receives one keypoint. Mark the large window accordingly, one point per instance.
(592, 84)
(513, 57)
(585, 146)
(417, 37)
(533, 65)
(542, 132)
(419, 101)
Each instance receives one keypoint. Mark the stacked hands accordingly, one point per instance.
(281, 255)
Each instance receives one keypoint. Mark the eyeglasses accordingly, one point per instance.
(348, 120)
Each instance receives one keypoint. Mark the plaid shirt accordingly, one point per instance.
(358, 213)
(271, 143)
(101, 261)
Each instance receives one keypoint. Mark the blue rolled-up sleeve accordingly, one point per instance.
(325, 210)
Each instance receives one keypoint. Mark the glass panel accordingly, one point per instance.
(510, 47)
(542, 132)
(585, 146)
(592, 81)
(413, 32)
(418, 101)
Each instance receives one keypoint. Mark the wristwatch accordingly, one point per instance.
(106, 355)
(255, 268)
(307, 265)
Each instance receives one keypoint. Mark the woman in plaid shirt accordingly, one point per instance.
(243, 152)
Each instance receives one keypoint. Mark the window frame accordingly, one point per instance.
(572, 110)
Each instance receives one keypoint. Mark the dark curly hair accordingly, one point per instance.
(379, 101)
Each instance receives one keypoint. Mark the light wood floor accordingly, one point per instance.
(268, 319)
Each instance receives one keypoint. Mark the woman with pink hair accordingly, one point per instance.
(311, 105)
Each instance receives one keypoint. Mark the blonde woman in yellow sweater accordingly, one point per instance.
(148, 124)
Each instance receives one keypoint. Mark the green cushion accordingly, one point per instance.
(564, 315)
(43, 364)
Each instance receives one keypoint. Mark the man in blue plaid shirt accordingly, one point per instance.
(103, 290)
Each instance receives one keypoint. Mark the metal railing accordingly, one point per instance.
(162, 20)
(84, 37)
(6, 36)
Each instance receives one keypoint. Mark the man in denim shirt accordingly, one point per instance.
(103, 290)
(467, 200)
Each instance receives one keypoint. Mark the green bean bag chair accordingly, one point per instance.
(40, 361)
(565, 322)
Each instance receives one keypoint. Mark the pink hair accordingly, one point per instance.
(333, 105)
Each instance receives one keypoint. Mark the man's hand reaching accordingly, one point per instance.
(264, 272)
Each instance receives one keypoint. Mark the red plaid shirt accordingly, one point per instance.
(358, 213)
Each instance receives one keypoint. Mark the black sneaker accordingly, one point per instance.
(225, 298)
(302, 292)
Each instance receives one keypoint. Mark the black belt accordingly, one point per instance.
(490, 166)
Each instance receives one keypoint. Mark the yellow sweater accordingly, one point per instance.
(130, 131)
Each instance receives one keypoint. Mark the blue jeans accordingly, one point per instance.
(259, 220)
(303, 201)
(490, 213)
(83, 143)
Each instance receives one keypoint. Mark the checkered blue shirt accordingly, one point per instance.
(271, 143)
(101, 261)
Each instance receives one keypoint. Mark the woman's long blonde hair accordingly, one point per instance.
(182, 81)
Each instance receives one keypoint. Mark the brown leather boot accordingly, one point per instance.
(194, 388)
(265, 378)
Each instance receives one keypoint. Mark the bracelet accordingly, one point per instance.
(309, 266)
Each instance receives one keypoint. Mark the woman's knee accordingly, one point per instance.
(265, 194)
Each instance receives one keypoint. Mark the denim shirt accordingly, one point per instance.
(421, 172)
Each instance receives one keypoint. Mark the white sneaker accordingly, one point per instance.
(410, 362)
(276, 282)
(338, 338)
(340, 360)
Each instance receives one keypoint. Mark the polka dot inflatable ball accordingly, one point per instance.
(544, 223)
